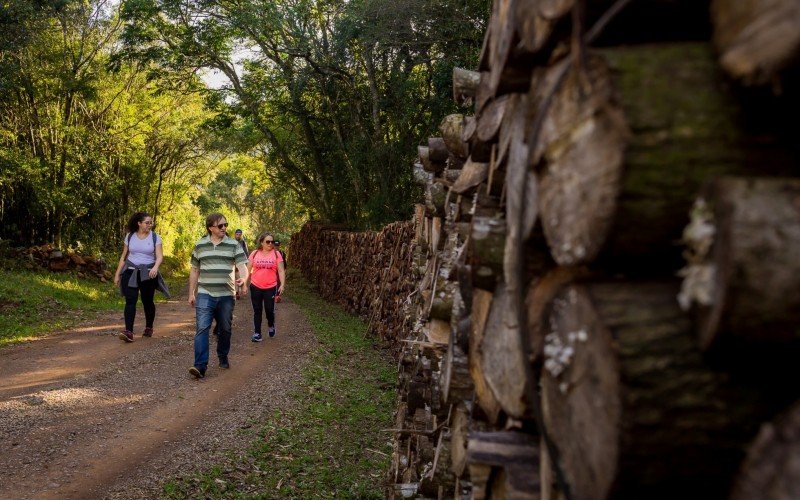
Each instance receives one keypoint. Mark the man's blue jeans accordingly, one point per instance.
(207, 309)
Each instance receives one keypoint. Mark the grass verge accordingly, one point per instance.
(34, 303)
(328, 445)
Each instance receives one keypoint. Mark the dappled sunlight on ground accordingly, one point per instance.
(42, 408)
(36, 378)
(68, 398)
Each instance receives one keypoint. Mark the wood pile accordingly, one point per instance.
(555, 352)
(53, 259)
(368, 272)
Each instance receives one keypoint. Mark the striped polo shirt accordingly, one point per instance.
(216, 264)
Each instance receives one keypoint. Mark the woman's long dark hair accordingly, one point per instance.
(133, 222)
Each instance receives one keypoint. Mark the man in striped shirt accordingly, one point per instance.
(212, 287)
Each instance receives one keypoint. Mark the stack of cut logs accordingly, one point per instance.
(49, 257)
(554, 351)
(369, 273)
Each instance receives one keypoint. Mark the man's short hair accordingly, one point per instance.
(238, 231)
(277, 242)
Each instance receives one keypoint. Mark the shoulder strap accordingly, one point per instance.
(128, 245)
(252, 253)
(154, 242)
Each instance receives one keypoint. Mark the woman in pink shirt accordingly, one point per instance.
(267, 279)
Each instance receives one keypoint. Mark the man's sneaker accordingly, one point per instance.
(148, 332)
(271, 331)
(127, 336)
(223, 363)
(196, 372)
(257, 337)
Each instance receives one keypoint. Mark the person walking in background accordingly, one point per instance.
(283, 254)
(212, 287)
(266, 272)
(137, 272)
(285, 266)
(239, 237)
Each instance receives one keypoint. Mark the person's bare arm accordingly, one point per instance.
(121, 264)
(194, 275)
(159, 260)
(282, 275)
(244, 276)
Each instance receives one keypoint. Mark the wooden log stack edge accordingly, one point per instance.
(51, 258)
(367, 272)
(551, 348)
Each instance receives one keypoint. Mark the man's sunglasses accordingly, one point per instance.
(222, 226)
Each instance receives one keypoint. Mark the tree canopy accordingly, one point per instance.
(104, 111)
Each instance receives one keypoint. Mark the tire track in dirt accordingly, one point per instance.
(84, 415)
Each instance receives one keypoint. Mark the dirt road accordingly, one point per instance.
(85, 415)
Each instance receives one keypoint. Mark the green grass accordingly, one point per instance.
(34, 303)
(330, 444)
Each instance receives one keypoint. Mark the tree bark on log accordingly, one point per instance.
(686, 132)
(772, 468)
(437, 149)
(421, 176)
(424, 159)
(451, 128)
(456, 383)
(435, 196)
(465, 85)
(535, 22)
(488, 239)
(752, 289)
(630, 404)
(440, 481)
(440, 303)
(757, 39)
(503, 465)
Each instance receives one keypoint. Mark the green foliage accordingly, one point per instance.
(331, 96)
(330, 443)
(84, 142)
(102, 112)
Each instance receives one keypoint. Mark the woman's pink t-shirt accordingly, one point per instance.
(265, 268)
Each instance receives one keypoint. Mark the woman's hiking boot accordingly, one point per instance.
(127, 336)
(148, 332)
(257, 337)
(271, 331)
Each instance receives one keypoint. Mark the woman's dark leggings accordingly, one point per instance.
(262, 299)
(148, 291)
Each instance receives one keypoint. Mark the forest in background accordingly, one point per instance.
(314, 112)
